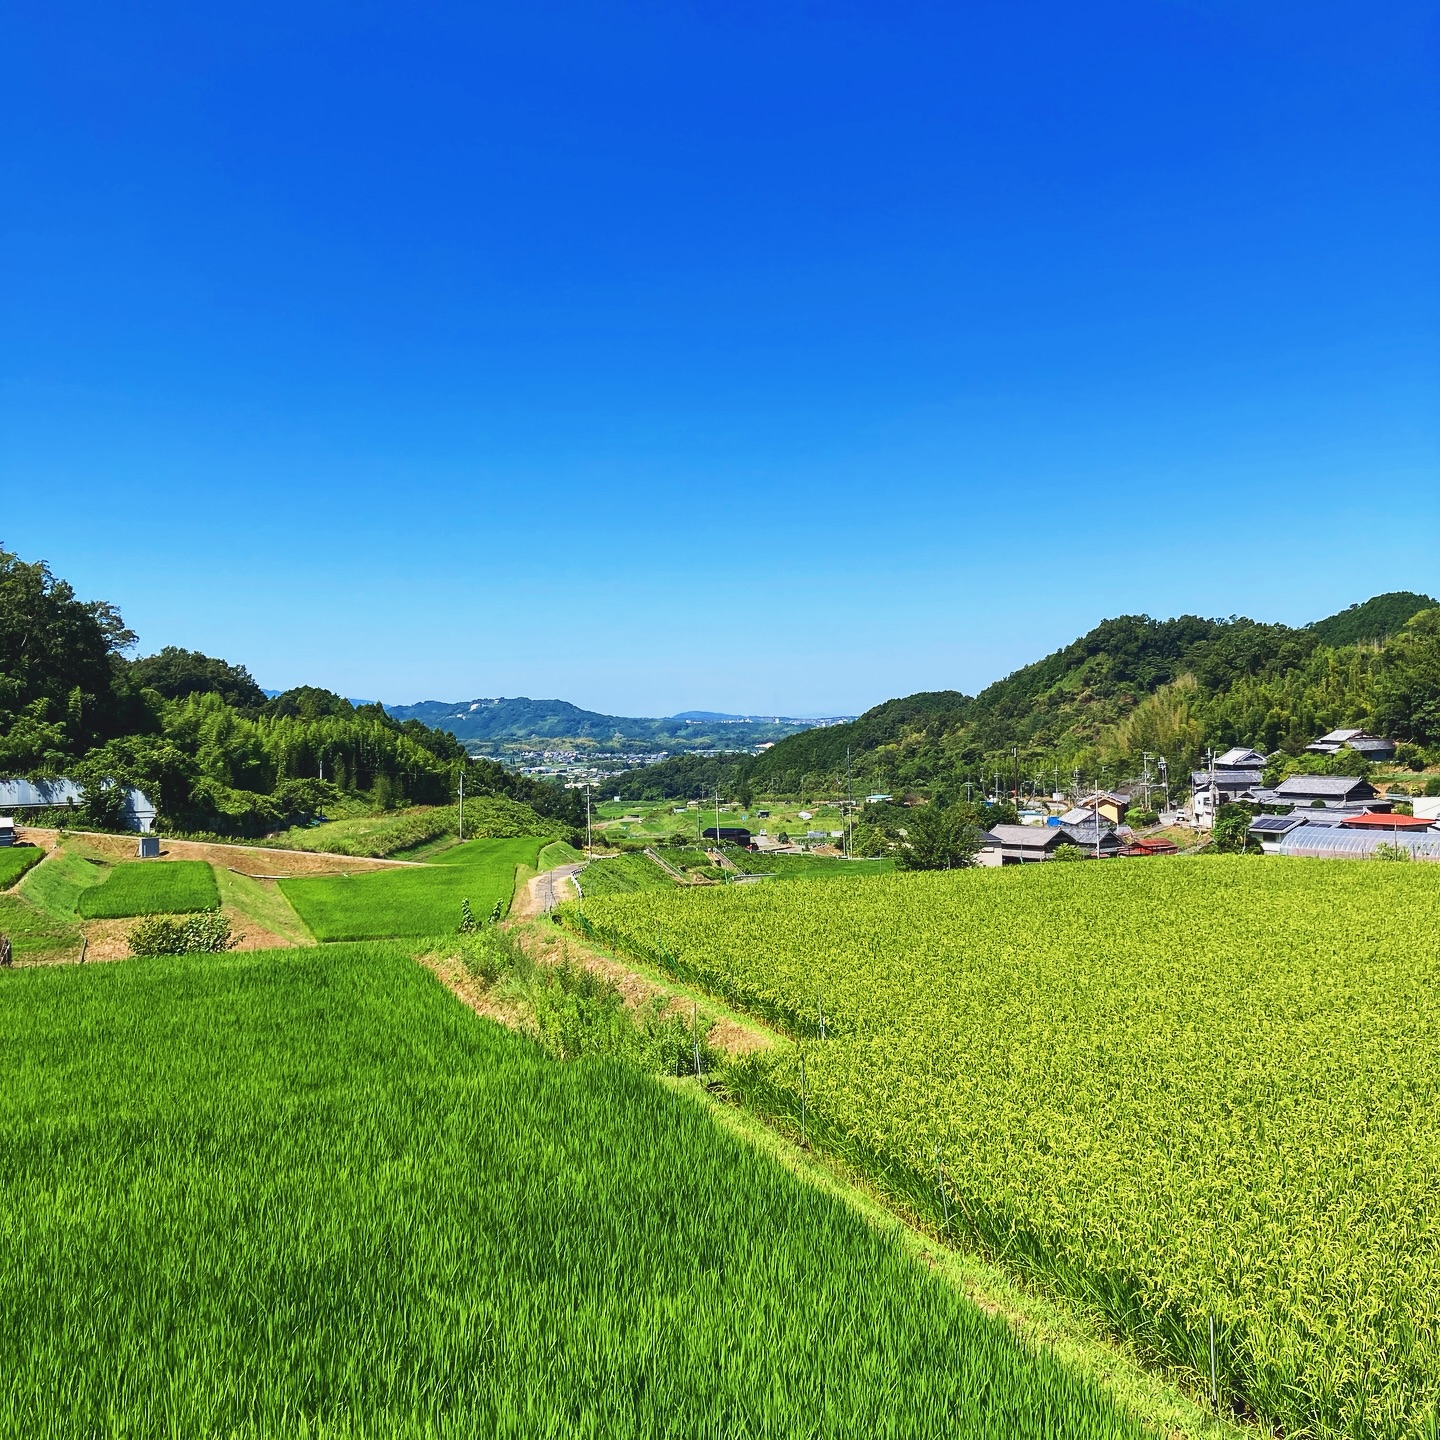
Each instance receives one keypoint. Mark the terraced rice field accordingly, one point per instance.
(416, 900)
(1176, 1091)
(15, 860)
(156, 887)
(307, 1193)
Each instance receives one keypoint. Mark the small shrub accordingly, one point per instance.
(205, 932)
(467, 918)
(1386, 851)
(1068, 852)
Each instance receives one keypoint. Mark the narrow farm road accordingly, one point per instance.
(546, 891)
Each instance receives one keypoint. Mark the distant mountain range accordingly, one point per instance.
(490, 726)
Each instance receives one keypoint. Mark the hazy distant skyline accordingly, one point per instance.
(773, 359)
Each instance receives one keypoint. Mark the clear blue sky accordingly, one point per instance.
(731, 356)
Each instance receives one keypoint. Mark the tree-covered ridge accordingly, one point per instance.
(1131, 685)
(199, 736)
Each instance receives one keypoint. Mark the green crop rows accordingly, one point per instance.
(307, 1193)
(160, 887)
(416, 900)
(811, 867)
(1174, 1090)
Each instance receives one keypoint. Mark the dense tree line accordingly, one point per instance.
(198, 735)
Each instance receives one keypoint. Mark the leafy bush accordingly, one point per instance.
(1140, 819)
(1068, 852)
(205, 933)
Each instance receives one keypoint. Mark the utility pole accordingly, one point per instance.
(1015, 754)
(462, 802)
(717, 817)
(849, 804)
(589, 842)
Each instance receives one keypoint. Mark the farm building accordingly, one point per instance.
(1370, 747)
(1378, 820)
(7, 830)
(727, 835)
(62, 794)
(1334, 842)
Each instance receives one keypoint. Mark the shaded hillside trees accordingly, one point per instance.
(198, 735)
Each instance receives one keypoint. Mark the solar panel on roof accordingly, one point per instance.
(1274, 823)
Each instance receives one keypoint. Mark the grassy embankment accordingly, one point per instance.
(811, 867)
(420, 832)
(624, 875)
(327, 1200)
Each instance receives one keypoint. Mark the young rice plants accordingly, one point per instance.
(306, 1192)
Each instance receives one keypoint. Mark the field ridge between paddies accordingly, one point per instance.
(1173, 1091)
(306, 1192)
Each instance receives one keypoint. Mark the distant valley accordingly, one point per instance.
(511, 727)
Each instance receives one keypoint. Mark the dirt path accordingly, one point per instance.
(545, 891)
(257, 860)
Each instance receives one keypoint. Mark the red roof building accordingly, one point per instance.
(1368, 820)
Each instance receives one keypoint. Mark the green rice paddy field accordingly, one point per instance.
(15, 860)
(417, 900)
(156, 887)
(307, 1193)
(1179, 1092)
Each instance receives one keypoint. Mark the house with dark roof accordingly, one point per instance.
(1332, 789)
(1112, 806)
(1369, 747)
(1021, 844)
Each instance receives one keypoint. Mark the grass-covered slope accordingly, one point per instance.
(159, 887)
(307, 1193)
(1174, 1090)
(418, 900)
(624, 875)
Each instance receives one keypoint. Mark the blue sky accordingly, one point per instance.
(745, 357)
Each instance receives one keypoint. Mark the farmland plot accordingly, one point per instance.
(1177, 1091)
(157, 887)
(417, 900)
(306, 1193)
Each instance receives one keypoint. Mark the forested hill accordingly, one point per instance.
(1131, 685)
(489, 726)
(200, 738)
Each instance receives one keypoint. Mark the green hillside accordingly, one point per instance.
(1131, 685)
